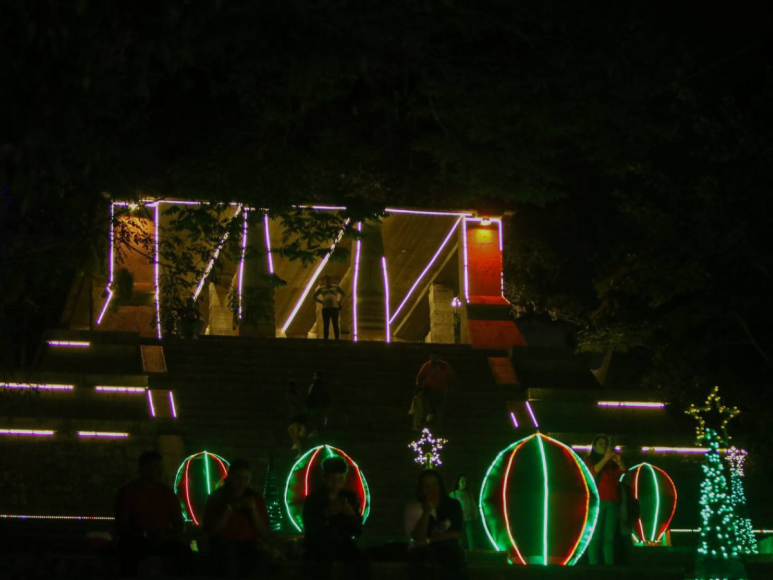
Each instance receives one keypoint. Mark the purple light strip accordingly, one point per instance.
(515, 421)
(26, 517)
(466, 275)
(211, 263)
(121, 389)
(426, 269)
(241, 262)
(355, 284)
(156, 264)
(172, 406)
(589, 447)
(70, 343)
(35, 432)
(268, 244)
(150, 402)
(103, 434)
(531, 414)
(40, 386)
(632, 404)
(428, 212)
(387, 329)
(111, 265)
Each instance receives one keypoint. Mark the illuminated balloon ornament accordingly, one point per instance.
(197, 477)
(656, 493)
(306, 476)
(539, 502)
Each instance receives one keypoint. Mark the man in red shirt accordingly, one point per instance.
(149, 520)
(435, 378)
(606, 467)
(236, 520)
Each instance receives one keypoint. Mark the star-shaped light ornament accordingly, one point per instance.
(427, 449)
(714, 416)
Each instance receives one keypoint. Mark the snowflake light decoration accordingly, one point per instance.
(427, 449)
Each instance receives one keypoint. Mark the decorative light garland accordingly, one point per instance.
(31, 432)
(427, 449)
(103, 434)
(38, 386)
(107, 389)
(44, 517)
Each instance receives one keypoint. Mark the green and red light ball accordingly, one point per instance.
(197, 477)
(656, 493)
(539, 502)
(306, 475)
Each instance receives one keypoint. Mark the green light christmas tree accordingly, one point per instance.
(272, 497)
(718, 549)
(742, 524)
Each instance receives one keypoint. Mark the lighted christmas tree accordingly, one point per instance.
(272, 497)
(718, 549)
(742, 524)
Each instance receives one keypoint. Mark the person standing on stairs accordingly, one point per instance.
(330, 296)
(436, 377)
(236, 521)
(317, 403)
(607, 467)
(332, 521)
(296, 407)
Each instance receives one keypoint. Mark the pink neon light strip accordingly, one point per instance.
(172, 406)
(105, 434)
(314, 278)
(504, 501)
(355, 284)
(187, 490)
(150, 402)
(571, 553)
(268, 244)
(111, 265)
(426, 269)
(121, 389)
(241, 262)
(698, 450)
(464, 253)
(308, 469)
(387, 329)
(531, 414)
(323, 207)
(631, 404)
(357, 470)
(212, 261)
(73, 343)
(40, 386)
(35, 432)
(157, 266)
(515, 421)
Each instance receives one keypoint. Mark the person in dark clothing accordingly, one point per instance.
(189, 322)
(317, 403)
(149, 521)
(606, 467)
(236, 520)
(332, 520)
(435, 525)
(330, 295)
(296, 408)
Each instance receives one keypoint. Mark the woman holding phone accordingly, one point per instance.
(606, 467)
(435, 524)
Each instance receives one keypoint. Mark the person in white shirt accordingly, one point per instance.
(330, 296)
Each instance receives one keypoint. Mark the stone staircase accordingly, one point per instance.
(231, 400)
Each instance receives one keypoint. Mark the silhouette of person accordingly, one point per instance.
(330, 296)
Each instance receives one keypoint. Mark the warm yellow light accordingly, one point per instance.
(133, 207)
(485, 222)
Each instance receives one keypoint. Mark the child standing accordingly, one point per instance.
(465, 497)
